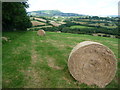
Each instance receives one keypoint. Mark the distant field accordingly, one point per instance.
(80, 22)
(110, 26)
(40, 19)
(35, 23)
(54, 23)
(78, 26)
(30, 61)
(41, 27)
(102, 25)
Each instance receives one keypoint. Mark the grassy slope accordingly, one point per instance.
(33, 61)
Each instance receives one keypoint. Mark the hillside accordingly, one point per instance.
(79, 24)
(41, 62)
(52, 13)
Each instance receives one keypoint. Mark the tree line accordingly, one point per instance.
(14, 16)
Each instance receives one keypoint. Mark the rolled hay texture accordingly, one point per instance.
(41, 33)
(92, 63)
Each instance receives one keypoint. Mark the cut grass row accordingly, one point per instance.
(41, 62)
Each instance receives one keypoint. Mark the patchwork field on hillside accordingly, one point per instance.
(35, 23)
(31, 61)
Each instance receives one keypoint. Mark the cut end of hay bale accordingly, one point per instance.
(41, 32)
(92, 63)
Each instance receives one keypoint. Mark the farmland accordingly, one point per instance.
(41, 62)
(33, 61)
(36, 23)
(78, 26)
(30, 61)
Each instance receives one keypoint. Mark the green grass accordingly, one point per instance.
(41, 62)
(78, 26)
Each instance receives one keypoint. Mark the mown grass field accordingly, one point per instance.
(31, 61)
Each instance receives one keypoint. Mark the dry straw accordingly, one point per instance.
(41, 33)
(92, 63)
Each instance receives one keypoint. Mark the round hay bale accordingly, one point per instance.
(58, 31)
(41, 32)
(4, 39)
(92, 63)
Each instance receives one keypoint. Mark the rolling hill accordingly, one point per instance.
(52, 13)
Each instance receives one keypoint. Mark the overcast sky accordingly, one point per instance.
(87, 7)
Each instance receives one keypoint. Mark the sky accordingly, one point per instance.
(87, 7)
